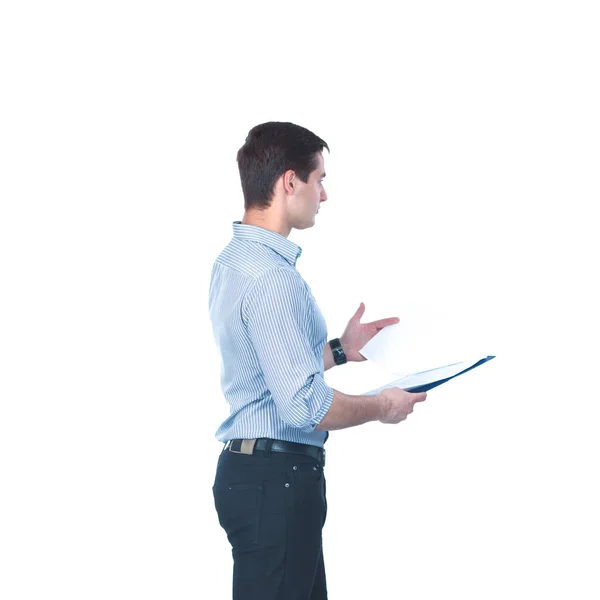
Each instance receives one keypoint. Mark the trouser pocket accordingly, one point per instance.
(239, 510)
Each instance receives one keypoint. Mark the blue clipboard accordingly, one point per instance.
(428, 386)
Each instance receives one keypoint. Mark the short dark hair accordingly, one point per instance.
(269, 151)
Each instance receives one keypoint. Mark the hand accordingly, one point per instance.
(357, 334)
(398, 404)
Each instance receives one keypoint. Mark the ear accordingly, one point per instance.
(289, 181)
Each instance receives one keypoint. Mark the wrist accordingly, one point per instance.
(347, 348)
(382, 404)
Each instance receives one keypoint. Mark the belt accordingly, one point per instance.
(265, 444)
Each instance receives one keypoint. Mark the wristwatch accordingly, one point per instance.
(339, 357)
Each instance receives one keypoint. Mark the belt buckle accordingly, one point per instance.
(246, 447)
(323, 457)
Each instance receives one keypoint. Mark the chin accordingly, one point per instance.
(305, 224)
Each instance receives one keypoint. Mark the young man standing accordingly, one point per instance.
(269, 487)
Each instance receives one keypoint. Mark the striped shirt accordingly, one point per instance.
(270, 334)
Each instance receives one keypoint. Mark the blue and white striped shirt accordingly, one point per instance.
(270, 334)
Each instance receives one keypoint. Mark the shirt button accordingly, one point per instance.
(287, 485)
(295, 468)
(314, 468)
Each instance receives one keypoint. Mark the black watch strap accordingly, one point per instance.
(339, 356)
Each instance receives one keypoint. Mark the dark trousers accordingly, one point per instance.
(272, 507)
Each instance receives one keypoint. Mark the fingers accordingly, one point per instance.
(420, 396)
(379, 325)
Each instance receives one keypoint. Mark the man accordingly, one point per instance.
(269, 487)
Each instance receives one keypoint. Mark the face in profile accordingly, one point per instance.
(307, 196)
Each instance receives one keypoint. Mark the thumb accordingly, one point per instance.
(360, 312)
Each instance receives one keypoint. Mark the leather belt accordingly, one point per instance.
(265, 444)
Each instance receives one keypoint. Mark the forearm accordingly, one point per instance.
(349, 411)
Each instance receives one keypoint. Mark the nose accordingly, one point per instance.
(323, 194)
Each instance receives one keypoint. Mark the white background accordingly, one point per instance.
(463, 177)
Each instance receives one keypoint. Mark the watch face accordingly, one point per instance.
(339, 356)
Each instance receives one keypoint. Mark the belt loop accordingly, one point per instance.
(268, 445)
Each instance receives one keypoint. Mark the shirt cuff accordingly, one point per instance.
(321, 390)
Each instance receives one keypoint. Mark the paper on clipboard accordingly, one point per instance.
(407, 351)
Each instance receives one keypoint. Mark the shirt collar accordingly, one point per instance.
(271, 239)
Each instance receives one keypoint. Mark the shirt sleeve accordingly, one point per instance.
(278, 313)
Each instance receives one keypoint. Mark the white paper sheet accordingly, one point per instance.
(415, 344)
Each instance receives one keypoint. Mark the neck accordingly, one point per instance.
(270, 219)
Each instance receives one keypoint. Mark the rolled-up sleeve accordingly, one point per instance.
(277, 310)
